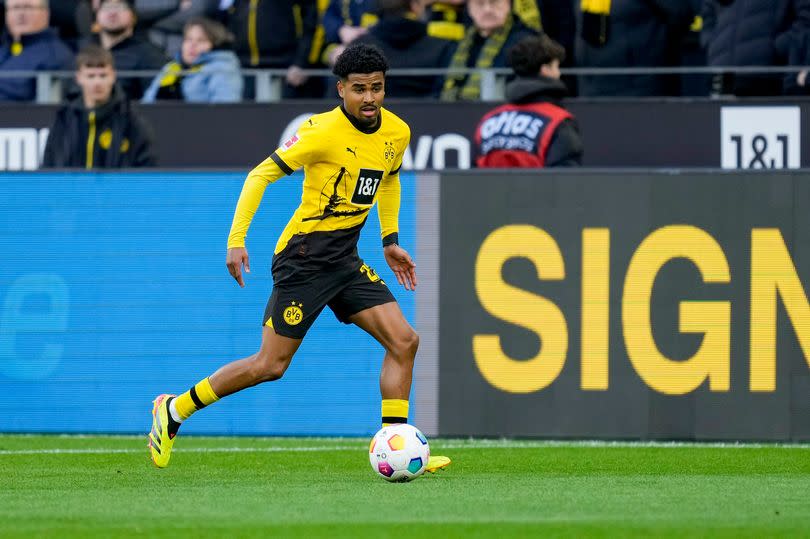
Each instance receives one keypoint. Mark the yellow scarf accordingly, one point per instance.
(463, 87)
(527, 11)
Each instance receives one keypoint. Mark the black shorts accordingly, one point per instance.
(295, 303)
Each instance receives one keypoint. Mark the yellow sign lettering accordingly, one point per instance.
(519, 307)
(712, 318)
(594, 333)
(772, 274)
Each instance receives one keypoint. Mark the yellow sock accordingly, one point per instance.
(394, 411)
(196, 398)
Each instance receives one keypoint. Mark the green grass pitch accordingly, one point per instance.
(61, 486)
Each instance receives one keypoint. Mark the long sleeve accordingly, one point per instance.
(256, 182)
(302, 148)
(388, 207)
(389, 196)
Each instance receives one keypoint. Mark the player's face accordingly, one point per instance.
(363, 95)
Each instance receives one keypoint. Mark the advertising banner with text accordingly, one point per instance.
(625, 133)
(625, 305)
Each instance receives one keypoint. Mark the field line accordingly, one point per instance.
(440, 445)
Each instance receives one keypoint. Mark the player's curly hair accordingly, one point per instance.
(360, 58)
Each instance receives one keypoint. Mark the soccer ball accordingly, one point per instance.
(399, 452)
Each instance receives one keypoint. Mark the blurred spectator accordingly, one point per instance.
(485, 45)
(116, 25)
(403, 38)
(447, 19)
(29, 45)
(168, 32)
(752, 33)
(343, 22)
(533, 130)
(98, 129)
(276, 34)
(204, 71)
(631, 33)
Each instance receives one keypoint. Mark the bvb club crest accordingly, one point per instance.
(293, 314)
(389, 151)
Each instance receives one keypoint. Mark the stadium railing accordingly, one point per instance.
(269, 82)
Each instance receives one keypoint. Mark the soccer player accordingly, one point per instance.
(351, 157)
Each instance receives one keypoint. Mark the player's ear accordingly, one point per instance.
(340, 88)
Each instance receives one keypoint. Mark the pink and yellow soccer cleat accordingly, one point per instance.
(161, 439)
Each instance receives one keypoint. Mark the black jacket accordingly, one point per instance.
(122, 139)
(277, 35)
(638, 33)
(406, 44)
(566, 148)
(753, 32)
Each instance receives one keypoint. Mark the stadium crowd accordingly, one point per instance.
(200, 46)
(199, 50)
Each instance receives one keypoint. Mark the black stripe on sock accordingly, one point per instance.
(197, 402)
(394, 419)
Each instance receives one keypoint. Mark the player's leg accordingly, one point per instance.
(168, 412)
(268, 364)
(388, 326)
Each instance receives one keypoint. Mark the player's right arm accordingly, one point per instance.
(297, 151)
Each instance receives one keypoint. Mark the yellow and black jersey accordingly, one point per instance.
(347, 169)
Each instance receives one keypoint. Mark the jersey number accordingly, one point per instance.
(367, 183)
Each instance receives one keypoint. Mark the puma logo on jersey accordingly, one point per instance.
(351, 151)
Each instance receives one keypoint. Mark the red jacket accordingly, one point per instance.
(517, 135)
(531, 131)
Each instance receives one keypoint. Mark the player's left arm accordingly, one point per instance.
(397, 258)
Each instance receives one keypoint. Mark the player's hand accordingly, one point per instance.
(236, 258)
(402, 265)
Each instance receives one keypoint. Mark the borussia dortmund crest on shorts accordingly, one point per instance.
(293, 314)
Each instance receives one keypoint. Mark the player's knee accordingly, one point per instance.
(268, 367)
(406, 345)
